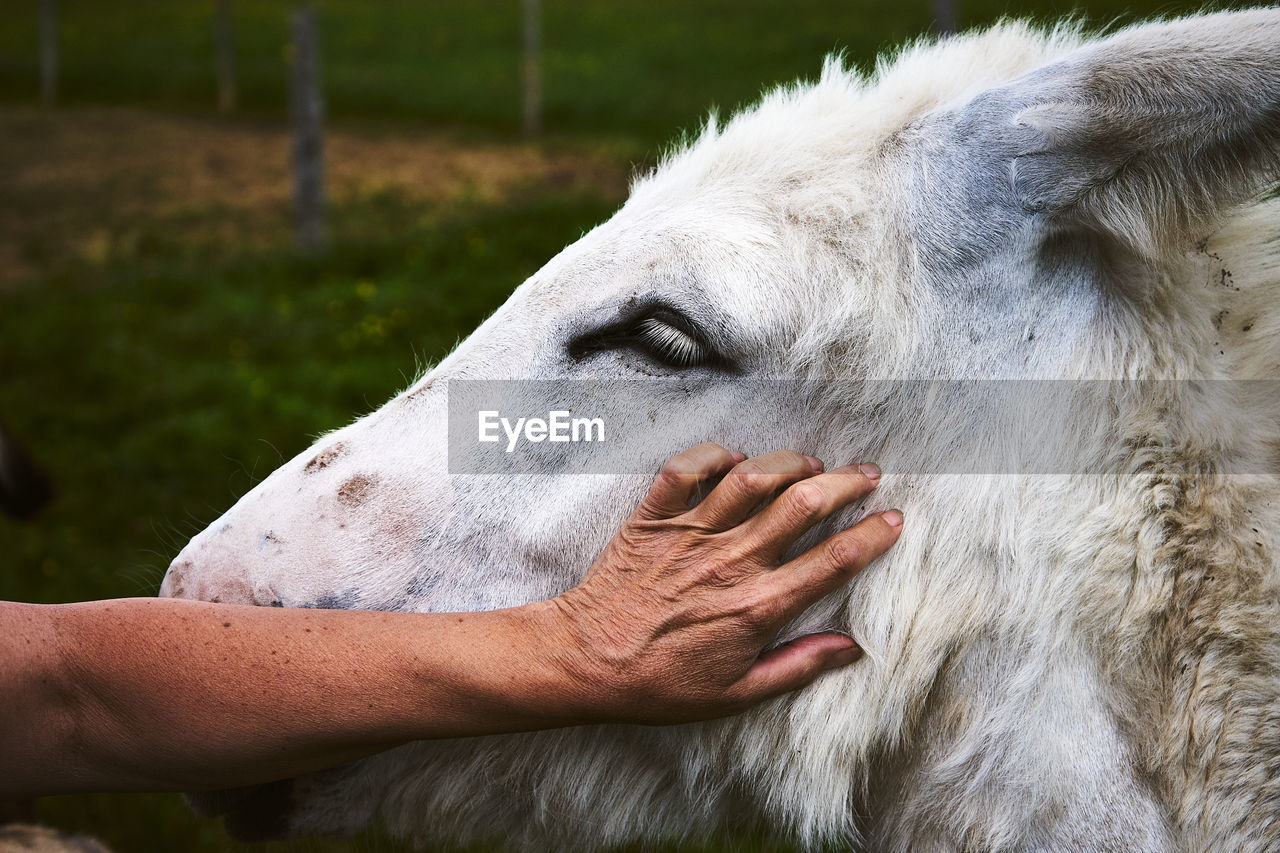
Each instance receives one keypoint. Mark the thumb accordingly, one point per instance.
(797, 663)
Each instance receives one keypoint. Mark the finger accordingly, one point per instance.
(680, 477)
(751, 483)
(827, 566)
(808, 502)
(795, 664)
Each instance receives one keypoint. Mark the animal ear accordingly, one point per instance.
(1149, 134)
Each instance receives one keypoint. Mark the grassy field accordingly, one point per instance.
(161, 345)
(157, 373)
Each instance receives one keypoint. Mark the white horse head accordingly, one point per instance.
(1079, 659)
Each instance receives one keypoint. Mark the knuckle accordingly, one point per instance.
(678, 468)
(843, 552)
(794, 459)
(806, 499)
(718, 574)
(750, 485)
(673, 480)
(761, 608)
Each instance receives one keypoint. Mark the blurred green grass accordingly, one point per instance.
(630, 66)
(158, 383)
(638, 67)
(156, 392)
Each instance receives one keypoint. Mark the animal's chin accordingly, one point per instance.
(252, 813)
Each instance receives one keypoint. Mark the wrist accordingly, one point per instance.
(531, 677)
(558, 663)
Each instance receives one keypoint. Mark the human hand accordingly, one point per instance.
(669, 624)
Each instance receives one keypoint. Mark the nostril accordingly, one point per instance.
(174, 584)
(209, 580)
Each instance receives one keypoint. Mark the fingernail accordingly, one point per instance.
(737, 457)
(893, 517)
(815, 463)
(870, 470)
(844, 657)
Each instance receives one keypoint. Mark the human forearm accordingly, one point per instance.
(160, 694)
(668, 626)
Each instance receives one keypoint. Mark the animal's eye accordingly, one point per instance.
(657, 331)
(669, 344)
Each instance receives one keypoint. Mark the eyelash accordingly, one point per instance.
(670, 344)
(656, 331)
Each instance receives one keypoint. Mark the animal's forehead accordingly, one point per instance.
(706, 256)
(754, 216)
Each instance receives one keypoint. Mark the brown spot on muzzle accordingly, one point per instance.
(325, 458)
(355, 490)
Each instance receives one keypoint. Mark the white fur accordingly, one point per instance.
(1073, 661)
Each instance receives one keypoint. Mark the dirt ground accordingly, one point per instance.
(89, 183)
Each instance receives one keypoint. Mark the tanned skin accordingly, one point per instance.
(667, 627)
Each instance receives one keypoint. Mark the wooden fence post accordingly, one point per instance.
(532, 122)
(307, 109)
(48, 52)
(224, 48)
